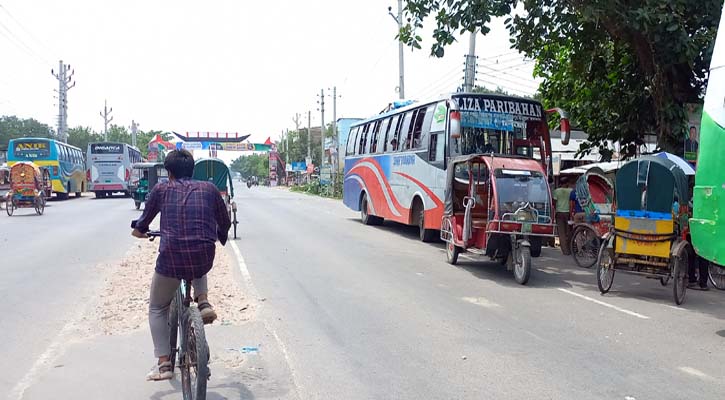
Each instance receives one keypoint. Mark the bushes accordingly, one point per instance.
(318, 189)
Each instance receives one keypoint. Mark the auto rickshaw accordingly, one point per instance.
(595, 194)
(29, 187)
(216, 171)
(144, 176)
(498, 206)
(650, 233)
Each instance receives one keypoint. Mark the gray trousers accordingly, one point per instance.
(162, 291)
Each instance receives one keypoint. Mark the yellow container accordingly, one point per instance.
(643, 228)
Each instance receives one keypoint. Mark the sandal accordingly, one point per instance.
(208, 315)
(160, 372)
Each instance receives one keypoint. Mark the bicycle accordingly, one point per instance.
(193, 350)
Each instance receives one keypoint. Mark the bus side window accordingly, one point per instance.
(422, 128)
(351, 140)
(381, 136)
(436, 152)
(374, 137)
(393, 134)
(363, 139)
(404, 136)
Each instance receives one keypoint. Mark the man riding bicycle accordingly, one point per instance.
(193, 217)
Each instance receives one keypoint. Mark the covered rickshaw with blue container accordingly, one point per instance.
(649, 236)
(497, 206)
(217, 172)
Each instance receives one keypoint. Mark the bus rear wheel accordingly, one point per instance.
(426, 235)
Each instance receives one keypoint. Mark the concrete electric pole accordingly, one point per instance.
(322, 128)
(107, 118)
(309, 134)
(64, 77)
(134, 132)
(469, 79)
(401, 68)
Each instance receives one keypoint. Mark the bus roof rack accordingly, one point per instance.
(395, 105)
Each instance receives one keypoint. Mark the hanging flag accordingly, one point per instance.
(268, 141)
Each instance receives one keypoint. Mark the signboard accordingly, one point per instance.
(326, 174)
(106, 148)
(298, 166)
(692, 139)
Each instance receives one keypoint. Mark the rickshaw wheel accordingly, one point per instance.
(535, 248)
(10, 207)
(522, 264)
(716, 274)
(679, 272)
(584, 246)
(605, 269)
(39, 205)
(452, 252)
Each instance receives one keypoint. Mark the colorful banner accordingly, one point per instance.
(222, 146)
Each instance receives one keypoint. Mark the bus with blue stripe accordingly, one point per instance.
(395, 162)
(64, 162)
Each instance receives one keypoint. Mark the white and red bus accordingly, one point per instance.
(395, 162)
(108, 168)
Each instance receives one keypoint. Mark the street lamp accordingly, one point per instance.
(401, 68)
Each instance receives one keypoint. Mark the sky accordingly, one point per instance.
(226, 65)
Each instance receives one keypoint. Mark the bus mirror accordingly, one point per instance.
(565, 131)
(455, 127)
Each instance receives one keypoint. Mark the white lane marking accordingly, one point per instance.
(255, 295)
(601, 303)
(54, 350)
(481, 301)
(695, 372)
(677, 308)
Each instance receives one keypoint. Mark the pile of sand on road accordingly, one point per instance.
(124, 300)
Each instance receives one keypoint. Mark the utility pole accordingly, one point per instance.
(64, 77)
(309, 133)
(322, 129)
(334, 158)
(470, 74)
(134, 132)
(107, 118)
(401, 68)
(286, 153)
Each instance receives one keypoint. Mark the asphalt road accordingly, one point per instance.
(48, 272)
(372, 313)
(346, 311)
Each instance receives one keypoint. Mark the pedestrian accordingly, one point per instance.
(561, 202)
(576, 212)
(698, 274)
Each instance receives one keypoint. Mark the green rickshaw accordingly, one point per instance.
(144, 176)
(216, 171)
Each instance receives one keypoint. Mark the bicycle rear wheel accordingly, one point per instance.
(194, 358)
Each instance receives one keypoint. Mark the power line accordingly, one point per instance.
(510, 82)
(505, 73)
(27, 31)
(21, 45)
(504, 87)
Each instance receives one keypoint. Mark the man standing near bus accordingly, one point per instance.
(561, 200)
(193, 217)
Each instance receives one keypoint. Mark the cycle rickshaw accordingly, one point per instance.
(595, 194)
(649, 236)
(216, 171)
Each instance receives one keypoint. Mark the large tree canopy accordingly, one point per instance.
(12, 127)
(622, 68)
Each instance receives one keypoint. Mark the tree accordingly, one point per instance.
(12, 127)
(252, 165)
(80, 137)
(623, 69)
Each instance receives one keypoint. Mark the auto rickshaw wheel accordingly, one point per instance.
(522, 264)
(680, 266)
(452, 252)
(585, 244)
(535, 246)
(605, 268)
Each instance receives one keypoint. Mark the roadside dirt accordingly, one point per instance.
(122, 306)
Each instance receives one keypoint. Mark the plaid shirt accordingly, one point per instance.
(193, 217)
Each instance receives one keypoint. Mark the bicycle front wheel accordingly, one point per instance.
(176, 305)
(194, 358)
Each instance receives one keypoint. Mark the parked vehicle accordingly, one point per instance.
(595, 194)
(650, 232)
(500, 207)
(216, 171)
(4, 183)
(29, 188)
(108, 167)
(144, 176)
